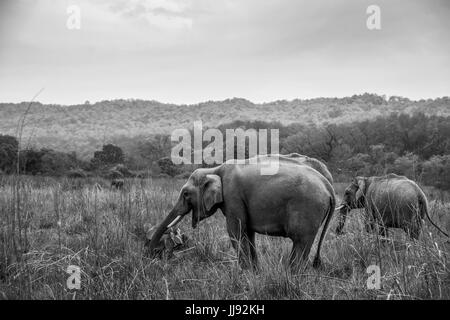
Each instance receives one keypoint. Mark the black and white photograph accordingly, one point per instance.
(232, 151)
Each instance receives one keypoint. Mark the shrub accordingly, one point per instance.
(114, 174)
(8, 153)
(77, 173)
(123, 170)
(167, 166)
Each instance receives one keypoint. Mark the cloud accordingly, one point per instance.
(187, 51)
(164, 14)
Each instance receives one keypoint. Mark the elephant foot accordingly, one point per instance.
(248, 266)
(317, 263)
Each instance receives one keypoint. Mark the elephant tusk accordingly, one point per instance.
(174, 222)
(339, 208)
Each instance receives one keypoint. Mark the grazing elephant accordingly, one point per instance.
(393, 201)
(117, 183)
(293, 203)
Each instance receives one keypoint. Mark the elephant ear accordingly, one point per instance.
(212, 194)
(361, 183)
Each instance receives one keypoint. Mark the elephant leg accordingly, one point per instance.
(300, 251)
(414, 228)
(415, 232)
(240, 241)
(254, 256)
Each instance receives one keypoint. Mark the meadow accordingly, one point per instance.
(48, 224)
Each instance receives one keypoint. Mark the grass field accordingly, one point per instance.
(48, 224)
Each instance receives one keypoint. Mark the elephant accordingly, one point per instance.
(313, 163)
(293, 202)
(117, 183)
(391, 200)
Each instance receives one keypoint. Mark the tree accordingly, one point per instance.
(110, 155)
(358, 164)
(167, 166)
(8, 153)
(407, 165)
(436, 172)
(157, 147)
(31, 161)
(55, 163)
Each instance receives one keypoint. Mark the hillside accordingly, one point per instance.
(84, 128)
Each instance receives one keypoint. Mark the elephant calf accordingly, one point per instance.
(292, 202)
(391, 200)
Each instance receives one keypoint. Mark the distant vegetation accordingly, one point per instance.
(86, 128)
(417, 146)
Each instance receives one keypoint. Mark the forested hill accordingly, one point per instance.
(84, 128)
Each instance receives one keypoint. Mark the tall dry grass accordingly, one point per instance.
(48, 224)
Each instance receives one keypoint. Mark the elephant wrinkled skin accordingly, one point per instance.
(292, 203)
(392, 201)
(312, 162)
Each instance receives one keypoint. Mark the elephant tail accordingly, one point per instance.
(423, 207)
(317, 262)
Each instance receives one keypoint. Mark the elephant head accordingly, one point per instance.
(201, 195)
(354, 198)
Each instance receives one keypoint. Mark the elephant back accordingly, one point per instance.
(311, 162)
(393, 198)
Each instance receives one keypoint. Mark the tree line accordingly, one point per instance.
(416, 145)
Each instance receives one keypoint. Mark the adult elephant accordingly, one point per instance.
(393, 201)
(293, 202)
(312, 162)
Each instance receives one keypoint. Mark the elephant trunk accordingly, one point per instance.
(171, 220)
(344, 208)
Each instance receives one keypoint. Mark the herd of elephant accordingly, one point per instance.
(294, 203)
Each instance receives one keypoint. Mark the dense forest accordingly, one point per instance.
(416, 145)
(86, 128)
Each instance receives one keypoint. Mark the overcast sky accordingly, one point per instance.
(188, 51)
